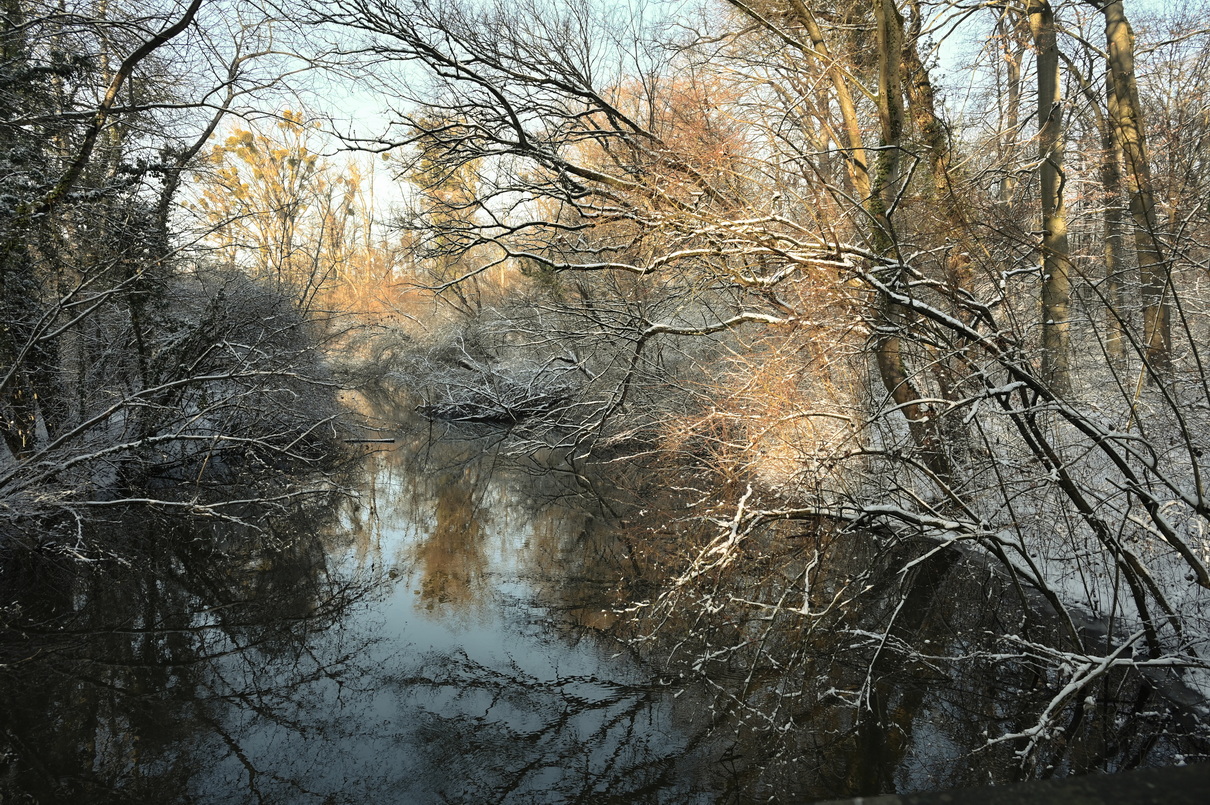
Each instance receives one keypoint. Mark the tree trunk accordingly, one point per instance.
(922, 103)
(1056, 263)
(1126, 114)
(887, 164)
(1011, 121)
(1115, 247)
(954, 226)
(885, 185)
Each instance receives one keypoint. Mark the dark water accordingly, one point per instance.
(449, 633)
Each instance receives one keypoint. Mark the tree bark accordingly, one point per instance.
(885, 186)
(1126, 114)
(1115, 247)
(1056, 262)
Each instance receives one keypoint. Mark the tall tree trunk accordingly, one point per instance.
(922, 104)
(1013, 49)
(1126, 114)
(854, 150)
(1115, 246)
(1114, 215)
(885, 186)
(949, 229)
(1056, 262)
(887, 164)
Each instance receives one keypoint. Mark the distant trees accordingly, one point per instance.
(441, 222)
(269, 202)
(275, 208)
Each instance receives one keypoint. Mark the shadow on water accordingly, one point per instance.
(451, 633)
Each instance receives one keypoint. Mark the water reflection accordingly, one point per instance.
(826, 702)
(401, 645)
(452, 559)
(462, 630)
(122, 689)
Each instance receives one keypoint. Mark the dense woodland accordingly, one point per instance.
(935, 274)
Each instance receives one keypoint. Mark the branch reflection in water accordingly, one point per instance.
(462, 630)
(398, 645)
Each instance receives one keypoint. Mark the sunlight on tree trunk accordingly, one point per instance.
(1127, 116)
(1115, 230)
(1056, 259)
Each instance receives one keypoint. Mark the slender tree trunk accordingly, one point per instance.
(1115, 246)
(1056, 262)
(1011, 122)
(855, 155)
(887, 164)
(1127, 120)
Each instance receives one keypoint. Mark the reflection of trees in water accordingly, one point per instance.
(472, 503)
(521, 737)
(127, 687)
(211, 669)
(452, 557)
(442, 497)
(789, 626)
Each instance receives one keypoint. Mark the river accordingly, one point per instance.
(460, 625)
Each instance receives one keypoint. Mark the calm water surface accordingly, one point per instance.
(446, 634)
